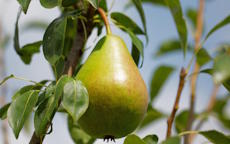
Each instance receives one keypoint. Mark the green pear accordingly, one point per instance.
(118, 96)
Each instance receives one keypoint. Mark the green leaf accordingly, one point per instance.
(20, 109)
(181, 121)
(138, 44)
(3, 111)
(77, 134)
(49, 3)
(46, 110)
(140, 10)
(172, 140)
(133, 139)
(66, 3)
(177, 13)
(28, 50)
(32, 25)
(103, 5)
(53, 40)
(135, 54)
(59, 67)
(192, 16)
(168, 46)
(227, 84)
(151, 116)
(94, 3)
(155, 2)
(221, 24)
(159, 78)
(215, 137)
(221, 69)
(203, 57)
(75, 98)
(22, 91)
(24, 4)
(123, 20)
(151, 139)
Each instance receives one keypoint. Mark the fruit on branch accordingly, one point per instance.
(118, 96)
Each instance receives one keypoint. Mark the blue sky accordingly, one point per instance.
(160, 27)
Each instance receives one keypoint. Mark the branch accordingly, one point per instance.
(208, 111)
(198, 34)
(183, 74)
(74, 56)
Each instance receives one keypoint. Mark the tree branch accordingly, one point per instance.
(73, 56)
(183, 74)
(198, 34)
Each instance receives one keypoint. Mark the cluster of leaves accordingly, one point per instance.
(68, 95)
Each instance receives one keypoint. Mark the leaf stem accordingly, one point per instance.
(105, 19)
(170, 120)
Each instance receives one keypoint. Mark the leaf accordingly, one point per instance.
(138, 44)
(28, 51)
(215, 137)
(46, 110)
(151, 139)
(49, 3)
(123, 20)
(3, 111)
(181, 121)
(66, 3)
(36, 24)
(169, 46)
(133, 139)
(140, 10)
(203, 57)
(177, 13)
(94, 3)
(221, 24)
(77, 134)
(221, 69)
(159, 77)
(59, 67)
(53, 40)
(20, 109)
(135, 54)
(22, 91)
(75, 98)
(227, 84)
(172, 140)
(103, 5)
(155, 2)
(151, 116)
(24, 4)
(192, 16)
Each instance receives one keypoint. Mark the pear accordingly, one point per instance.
(118, 96)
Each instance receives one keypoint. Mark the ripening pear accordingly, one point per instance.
(118, 96)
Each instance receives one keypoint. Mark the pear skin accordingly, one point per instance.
(118, 96)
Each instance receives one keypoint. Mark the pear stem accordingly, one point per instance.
(105, 19)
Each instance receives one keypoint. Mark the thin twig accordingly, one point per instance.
(193, 82)
(74, 57)
(4, 126)
(183, 74)
(208, 111)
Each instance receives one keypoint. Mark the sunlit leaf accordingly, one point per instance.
(75, 98)
(20, 109)
(172, 140)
